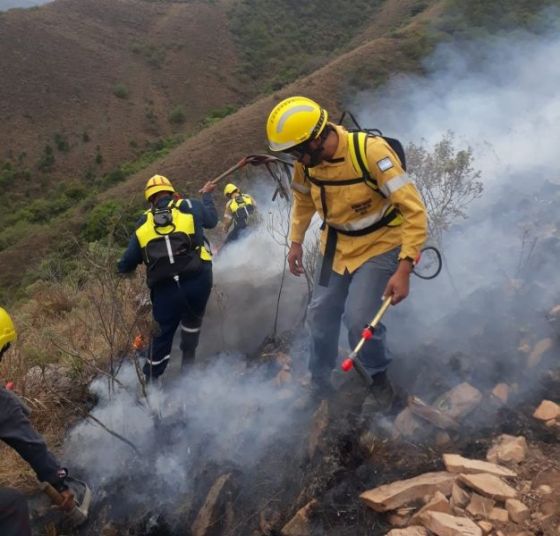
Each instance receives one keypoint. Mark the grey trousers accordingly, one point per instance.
(353, 298)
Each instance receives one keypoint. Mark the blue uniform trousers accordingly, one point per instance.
(177, 303)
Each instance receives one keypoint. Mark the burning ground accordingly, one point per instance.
(234, 449)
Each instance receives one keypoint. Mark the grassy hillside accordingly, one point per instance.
(49, 193)
(197, 83)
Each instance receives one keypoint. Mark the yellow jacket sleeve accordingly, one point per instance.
(394, 182)
(303, 207)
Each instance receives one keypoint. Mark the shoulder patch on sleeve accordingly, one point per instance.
(385, 164)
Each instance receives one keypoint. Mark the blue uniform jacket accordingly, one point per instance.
(205, 216)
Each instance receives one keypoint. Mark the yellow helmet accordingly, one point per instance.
(158, 183)
(294, 121)
(230, 188)
(7, 329)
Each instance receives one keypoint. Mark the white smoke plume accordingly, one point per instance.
(499, 97)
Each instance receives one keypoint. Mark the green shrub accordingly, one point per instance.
(215, 115)
(100, 220)
(85, 136)
(152, 55)
(280, 40)
(177, 116)
(120, 91)
(61, 142)
(46, 161)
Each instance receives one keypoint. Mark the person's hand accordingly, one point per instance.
(68, 500)
(295, 259)
(207, 188)
(399, 284)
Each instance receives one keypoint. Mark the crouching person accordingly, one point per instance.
(17, 431)
(169, 240)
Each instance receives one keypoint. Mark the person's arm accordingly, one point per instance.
(302, 212)
(132, 257)
(395, 183)
(17, 432)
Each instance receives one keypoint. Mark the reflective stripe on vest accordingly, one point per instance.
(168, 250)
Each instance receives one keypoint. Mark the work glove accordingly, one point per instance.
(69, 501)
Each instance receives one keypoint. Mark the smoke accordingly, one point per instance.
(222, 414)
(499, 97)
(226, 412)
(250, 297)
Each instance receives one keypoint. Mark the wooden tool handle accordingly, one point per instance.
(54, 496)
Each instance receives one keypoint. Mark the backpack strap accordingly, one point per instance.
(357, 145)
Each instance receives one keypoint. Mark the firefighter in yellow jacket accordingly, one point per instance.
(239, 210)
(374, 225)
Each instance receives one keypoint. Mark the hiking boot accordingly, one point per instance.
(380, 397)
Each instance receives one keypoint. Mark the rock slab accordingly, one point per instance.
(455, 463)
(447, 525)
(392, 496)
(489, 486)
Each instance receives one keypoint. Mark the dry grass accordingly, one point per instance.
(68, 333)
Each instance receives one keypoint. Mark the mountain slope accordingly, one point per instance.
(215, 148)
(108, 73)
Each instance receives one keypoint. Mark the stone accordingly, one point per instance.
(489, 486)
(455, 463)
(547, 410)
(507, 448)
(459, 401)
(535, 357)
(501, 392)
(299, 524)
(406, 424)
(208, 514)
(392, 496)
(438, 503)
(459, 496)
(499, 514)
(433, 415)
(400, 521)
(486, 526)
(447, 525)
(319, 426)
(409, 531)
(282, 378)
(442, 438)
(53, 377)
(480, 506)
(545, 489)
(517, 510)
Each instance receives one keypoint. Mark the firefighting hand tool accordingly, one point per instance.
(78, 514)
(427, 266)
(261, 159)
